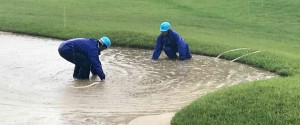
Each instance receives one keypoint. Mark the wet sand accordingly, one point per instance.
(162, 119)
(36, 84)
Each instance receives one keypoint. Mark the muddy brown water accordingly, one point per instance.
(37, 88)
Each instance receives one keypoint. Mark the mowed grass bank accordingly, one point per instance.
(209, 26)
(267, 102)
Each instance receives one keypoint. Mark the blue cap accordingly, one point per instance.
(106, 41)
(165, 26)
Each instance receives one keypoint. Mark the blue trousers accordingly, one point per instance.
(82, 64)
(171, 52)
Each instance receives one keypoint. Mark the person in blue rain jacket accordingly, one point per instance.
(171, 43)
(84, 53)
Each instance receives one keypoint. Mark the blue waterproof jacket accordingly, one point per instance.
(173, 40)
(89, 48)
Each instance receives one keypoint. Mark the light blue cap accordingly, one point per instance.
(106, 41)
(165, 26)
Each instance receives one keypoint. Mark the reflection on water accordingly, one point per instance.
(36, 85)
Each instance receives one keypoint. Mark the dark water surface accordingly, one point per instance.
(37, 88)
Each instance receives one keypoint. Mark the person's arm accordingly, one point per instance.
(158, 48)
(181, 46)
(94, 58)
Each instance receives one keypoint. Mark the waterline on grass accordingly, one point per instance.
(231, 51)
(245, 55)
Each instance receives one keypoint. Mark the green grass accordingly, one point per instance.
(209, 26)
(268, 102)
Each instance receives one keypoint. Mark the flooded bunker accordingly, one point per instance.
(37, 87)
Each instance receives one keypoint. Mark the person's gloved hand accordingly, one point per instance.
(153, 60)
